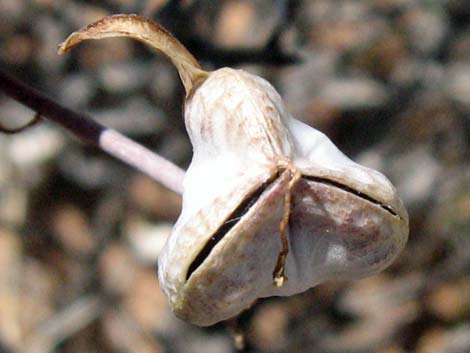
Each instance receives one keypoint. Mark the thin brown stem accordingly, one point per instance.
(89, 131)
(279, 276)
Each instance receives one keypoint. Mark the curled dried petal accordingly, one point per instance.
(148, 32)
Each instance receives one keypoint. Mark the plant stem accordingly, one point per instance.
(89, 131)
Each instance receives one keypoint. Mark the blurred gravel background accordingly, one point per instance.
(387, 80)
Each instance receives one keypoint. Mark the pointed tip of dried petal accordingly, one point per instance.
(69, 43)
(148, 32)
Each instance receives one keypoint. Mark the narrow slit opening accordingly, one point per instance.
(229, 223)
(352, 191)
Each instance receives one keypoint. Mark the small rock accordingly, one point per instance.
(371, 333)
(438, 340)
(164, 81)
(118, 269)
(450, 301)
(41, 287)
(14, 115)
(122, 335)
(425, 28)
(235, 20)
(50, 33)
(460, 48)
(31, 148)
(134, 117)
(72, 229)
(244, 23)
(459, 338)
(300, 84)
(13, 204)
(354, 93)
(122, 77)
(407, 72)
(153, 199)
(90, 171)
(370, 296)
(10, 287)
(147, 304)
(12, 9)
(458, 83)
(17, 49)
(198, 342)
(416, 173)
(153, 6)
(79, 15)
(147, 239)
(269, 327)
(76, 90)
(384, 54)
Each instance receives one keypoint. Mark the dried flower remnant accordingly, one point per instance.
(148, 32)
(270, 205)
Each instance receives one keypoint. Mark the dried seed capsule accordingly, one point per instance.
(344, 220)
(270, 205)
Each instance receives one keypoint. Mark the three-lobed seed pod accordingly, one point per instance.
(270, 205)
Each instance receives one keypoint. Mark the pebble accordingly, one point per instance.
(164, 81)
(122, 77)
(13, 204)
(90, 171)
(10, 288)
(418, 171)
(150, 198)
(50, 33)
(197, 342)
(13, 116)
(426, 27)
(123, 335)
(438, 340)
(269, 327)
(371, 333)
(450, 301)
(366, 296)
(147, 239)
(147, 304)
(34, 146)
(354, 93)
(245, 24)
(72, 229)
(458, 84)
(76, 90)
(133, 117)
(17, 49)
(460, 48)
(41, 287)
(300, 84)
(12, 9)
(118, 269)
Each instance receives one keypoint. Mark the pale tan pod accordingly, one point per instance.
(258, 176)
(346, 220)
